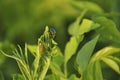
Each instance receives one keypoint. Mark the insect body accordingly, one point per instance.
(52, 32)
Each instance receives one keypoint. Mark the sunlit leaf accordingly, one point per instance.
(56, 70)
(32, 49)
(93, 71)
(26, 54)
(79, 29)
(71, 46)
(116, 59)
(97, 71)
(73, 28)
(58, 58)
(105, 52)
(86, 26)
(88, 73)
(111, 64)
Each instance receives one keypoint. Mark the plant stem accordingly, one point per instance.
(45, 60)
(65, 69)
(24, 69)
(36, 66)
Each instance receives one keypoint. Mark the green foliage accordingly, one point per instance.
(48, 55)
(104, 55)
(71, 47)
(78, 29)
(108, 31)
(84, 54)
(41, 62)
(93, 70)
(90, 51)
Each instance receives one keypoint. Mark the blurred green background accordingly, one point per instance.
(24, 21)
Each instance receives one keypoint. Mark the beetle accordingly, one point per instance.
(52, 32)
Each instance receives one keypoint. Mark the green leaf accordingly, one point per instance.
(88, 73)
(85, 53)
(26, 54)
(97, 71)
(71, 46)
(73, 28)
(86, 26)
(24, 69)
(116, 59)
(32, 49)
(93, 71)
(58, 58)
(108, 31)
(56, 70)
(111, 64)
(10, 56)
(35, 65)
(104, 52)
